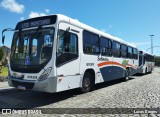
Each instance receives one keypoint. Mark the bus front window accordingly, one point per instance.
(32, 47)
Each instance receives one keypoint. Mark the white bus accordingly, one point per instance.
(56, 53)
(146, 62)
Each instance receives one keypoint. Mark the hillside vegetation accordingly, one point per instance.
(157, 61)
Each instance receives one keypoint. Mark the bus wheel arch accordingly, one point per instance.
(88, 81)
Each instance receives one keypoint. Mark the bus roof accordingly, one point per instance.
(75, 22)
(145, 52)
(91, 29)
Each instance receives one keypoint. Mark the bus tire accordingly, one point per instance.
(145, 71)
(151, 70)
(86, 83)
(127, 75)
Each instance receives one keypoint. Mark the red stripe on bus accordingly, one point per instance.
(110, 63)
(132, 66)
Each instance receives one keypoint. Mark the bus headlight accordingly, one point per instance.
(45, 74)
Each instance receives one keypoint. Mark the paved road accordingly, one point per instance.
(138, 92)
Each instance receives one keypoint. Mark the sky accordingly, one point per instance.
(131, 20)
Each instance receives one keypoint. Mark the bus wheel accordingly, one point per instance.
(146, 71)
(127, 75)
(86, 83)
(151, 70)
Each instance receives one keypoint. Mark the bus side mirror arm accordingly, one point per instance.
(3, 36)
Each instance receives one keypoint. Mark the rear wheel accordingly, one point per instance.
(86, 83)
(126, 78)
(127, 75)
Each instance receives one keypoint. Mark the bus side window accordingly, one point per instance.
(124, 51)
(116, 49)
(103, 45)
(135, 53)
(90, 43)
(109, 48)
(130, 53)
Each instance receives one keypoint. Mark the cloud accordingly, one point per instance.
(22, 18)
(140, 43)
(12, 6)
(47, 10)
(36, 14)
(103, 30)
(107, 29)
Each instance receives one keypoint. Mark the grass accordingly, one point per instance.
(4, 71)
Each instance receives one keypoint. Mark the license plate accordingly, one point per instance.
(22, 87)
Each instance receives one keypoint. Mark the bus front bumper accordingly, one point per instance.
(48, 85)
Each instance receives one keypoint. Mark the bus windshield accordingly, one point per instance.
(32, 47)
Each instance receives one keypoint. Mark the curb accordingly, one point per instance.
(6, 89)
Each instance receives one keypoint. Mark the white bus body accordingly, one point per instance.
(146, 62)
(56, 53)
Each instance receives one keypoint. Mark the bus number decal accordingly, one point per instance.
(89, 64)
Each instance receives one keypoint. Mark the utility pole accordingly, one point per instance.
(151, 43)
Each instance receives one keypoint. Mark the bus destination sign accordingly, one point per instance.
(35, 22)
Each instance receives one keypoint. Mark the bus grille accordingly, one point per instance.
(27, 85)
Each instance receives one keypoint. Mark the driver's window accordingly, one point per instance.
(67, 47)
(67, 44)
(73, 44)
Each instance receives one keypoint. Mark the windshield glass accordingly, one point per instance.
(33, 48)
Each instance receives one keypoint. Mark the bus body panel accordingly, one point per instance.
(146, 62)
(68, 73)
(106, 68)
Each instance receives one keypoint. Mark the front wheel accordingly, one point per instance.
(86, 83)
(145, 71)
(150, 71)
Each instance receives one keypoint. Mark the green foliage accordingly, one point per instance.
(157, 60)
(4, 71)
(2, 53)
(0, 67)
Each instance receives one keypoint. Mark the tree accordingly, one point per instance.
(2, 53)
(157, 60)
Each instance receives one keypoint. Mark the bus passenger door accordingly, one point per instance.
(67, 57)
(140, 60)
